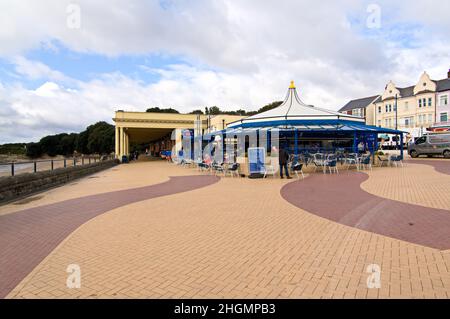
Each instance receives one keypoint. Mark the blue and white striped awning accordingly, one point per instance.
(340, 126)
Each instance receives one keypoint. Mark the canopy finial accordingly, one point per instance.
(292, 86)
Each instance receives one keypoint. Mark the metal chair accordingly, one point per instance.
(397, 160)
(351, 159)
(365, 162)
(383, 161)
(296, 168)
(233, 170)
(319, 161)
(332, 165)
(204, 167)
(269, 166)
(218, 168)
(269, 169)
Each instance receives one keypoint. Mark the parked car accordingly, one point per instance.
(431, 144)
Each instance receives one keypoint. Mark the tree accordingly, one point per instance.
(270, 106)
(214, 110)
(68, 144)
(81, 143)
(51, 144)
(34, 150)
(158, 110)
(97, 138)
(13, 148)
(241, 112)
(196, 112)
(101, 138)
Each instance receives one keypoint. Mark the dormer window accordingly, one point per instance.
(424, 84)
(390, 92)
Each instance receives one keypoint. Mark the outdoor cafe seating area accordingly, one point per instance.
(318, 141)
(299, 165)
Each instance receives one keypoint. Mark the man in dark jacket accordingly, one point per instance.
(283, 159)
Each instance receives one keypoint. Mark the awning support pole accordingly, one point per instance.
(296, 143)
(401, 145)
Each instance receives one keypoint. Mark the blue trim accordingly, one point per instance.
(345, 126)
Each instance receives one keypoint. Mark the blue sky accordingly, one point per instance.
(87, 66)
(190, 54)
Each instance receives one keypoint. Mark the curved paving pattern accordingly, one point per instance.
(440, 165)
(340, 198)
(28, 236)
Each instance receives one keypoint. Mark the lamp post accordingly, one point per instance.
(396, 118)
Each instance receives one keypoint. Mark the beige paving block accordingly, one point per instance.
(415, 183)
(235, 239)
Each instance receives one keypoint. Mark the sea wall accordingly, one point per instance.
(13, 187)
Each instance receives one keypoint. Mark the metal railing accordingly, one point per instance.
(34, 166)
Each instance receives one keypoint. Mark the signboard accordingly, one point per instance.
(439, 139)
(371, 142)
(256, 159)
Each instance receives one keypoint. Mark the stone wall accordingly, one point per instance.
(13, 187)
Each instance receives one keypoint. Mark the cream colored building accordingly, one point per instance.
(416, 107)
(412, 109)
(152, 128)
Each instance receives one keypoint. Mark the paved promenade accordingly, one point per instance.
(155, 230)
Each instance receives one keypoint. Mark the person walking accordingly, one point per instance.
(283, 158)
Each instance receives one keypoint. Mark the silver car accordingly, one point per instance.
(431, 144)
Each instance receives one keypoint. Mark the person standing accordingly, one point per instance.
(283, 159)
(361, 147)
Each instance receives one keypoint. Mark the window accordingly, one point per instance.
(443, 100)
(386, 123)
(379, 109)
(390, 122)
(406, 106)
(430, 101)
(379, 123)
(421, 140)
(424, 102)
(420, 103)
(390, 108)
(358, 112)
(430, 118)
(444, 116)
(407, 121)
(386, 108)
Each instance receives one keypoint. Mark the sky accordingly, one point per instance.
(67, 64)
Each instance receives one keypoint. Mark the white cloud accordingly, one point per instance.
(242, 54)
(36, 70)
